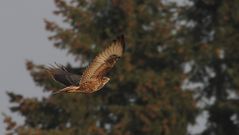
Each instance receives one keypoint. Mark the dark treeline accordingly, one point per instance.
(153, 89)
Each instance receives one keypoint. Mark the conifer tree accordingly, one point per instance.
(144, 96)
(212, 33)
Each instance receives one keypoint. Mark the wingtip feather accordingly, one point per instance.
(121, 40)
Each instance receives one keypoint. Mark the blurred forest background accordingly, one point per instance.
(180, 61)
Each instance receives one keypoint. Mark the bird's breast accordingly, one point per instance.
(91, 85)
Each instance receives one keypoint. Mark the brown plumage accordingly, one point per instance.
(93, 78)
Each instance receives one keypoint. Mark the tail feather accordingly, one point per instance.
(67, 89)
(61, 91)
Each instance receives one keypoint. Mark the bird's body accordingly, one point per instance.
(90, 86)
(93, 78)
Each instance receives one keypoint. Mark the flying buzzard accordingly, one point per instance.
(93, 78)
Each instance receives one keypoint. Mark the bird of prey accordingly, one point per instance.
(94, 76)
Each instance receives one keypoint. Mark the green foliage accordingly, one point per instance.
(214, 41)
(145, 94)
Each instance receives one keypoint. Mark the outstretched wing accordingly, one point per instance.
(104, 61)
(61, 75)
